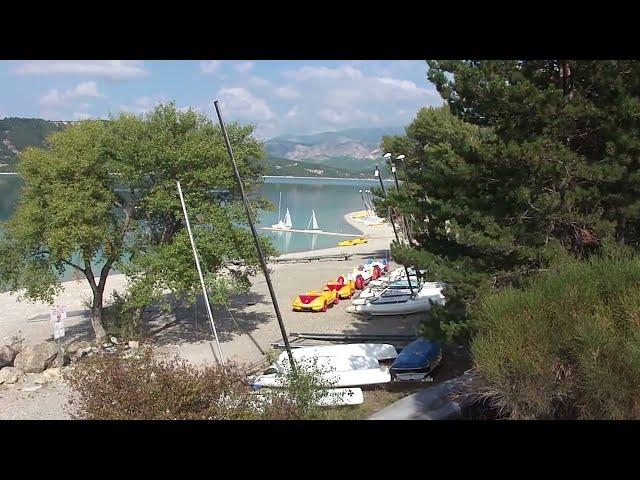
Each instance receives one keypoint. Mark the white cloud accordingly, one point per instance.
(52, 99)
(210, 66)
(243, 105)
(344, 116)
(259, 82)
(85, 89)
(111, 69)
(56, 99)
(308, 72)
(406, 86)
(143, 104)
(287, 92)
(244, 67)
(351, 94)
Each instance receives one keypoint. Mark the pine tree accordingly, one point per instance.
(528, 157)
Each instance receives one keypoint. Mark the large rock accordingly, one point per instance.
(7, 355)
(9, 375)
(76, 345)
(37, 358)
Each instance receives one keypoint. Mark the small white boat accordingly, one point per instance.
(338, 371)
(335, 397)
(283, 223)
(313, 223)
(379, 351)
(400, 303)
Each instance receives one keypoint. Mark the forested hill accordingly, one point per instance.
(16, 134)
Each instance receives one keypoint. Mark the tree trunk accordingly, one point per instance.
(96, 316)
(98, 292)
(136, 322)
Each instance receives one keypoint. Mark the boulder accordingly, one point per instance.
(81, 352)
(52, 373)
(35, 378)
(7, 355)
(134, 344)
(76, 345)
(37, 358)
(10, 375)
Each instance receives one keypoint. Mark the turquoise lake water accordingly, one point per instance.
(330, 198)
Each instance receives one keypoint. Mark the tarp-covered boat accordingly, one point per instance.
(417, 360)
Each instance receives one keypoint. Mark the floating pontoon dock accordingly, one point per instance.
(312, 232)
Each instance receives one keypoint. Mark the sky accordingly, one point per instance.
(279, 97)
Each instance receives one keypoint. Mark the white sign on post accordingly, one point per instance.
(57, 318)
(58, 330)
(58, 314)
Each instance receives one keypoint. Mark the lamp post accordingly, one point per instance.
(395, 232)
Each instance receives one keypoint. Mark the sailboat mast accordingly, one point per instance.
(263, 264)
(279, 203)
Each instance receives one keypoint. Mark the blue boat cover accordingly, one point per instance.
(418, 354)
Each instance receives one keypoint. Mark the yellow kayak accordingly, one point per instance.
(352, 242)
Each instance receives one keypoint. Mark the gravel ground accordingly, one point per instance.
(246, 328)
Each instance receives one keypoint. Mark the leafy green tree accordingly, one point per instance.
(105, 193)
(149, 154)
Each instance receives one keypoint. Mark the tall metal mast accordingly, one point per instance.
(255, 237)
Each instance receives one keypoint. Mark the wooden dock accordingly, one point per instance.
(313, 232)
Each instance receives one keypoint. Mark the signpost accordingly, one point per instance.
(57, 318)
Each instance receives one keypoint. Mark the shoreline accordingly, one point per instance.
(375, 235)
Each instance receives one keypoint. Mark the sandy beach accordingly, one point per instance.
(246, 327)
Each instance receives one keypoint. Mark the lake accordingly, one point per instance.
(330, 198)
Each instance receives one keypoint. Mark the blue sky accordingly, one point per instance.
(279, 97)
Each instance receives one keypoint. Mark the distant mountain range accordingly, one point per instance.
(351, 153)
(354, 150)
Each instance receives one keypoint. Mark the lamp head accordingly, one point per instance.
(400, 157)
(387, 155)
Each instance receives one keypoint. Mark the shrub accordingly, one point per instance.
(567, 345)
(302, 394)
(116, 387)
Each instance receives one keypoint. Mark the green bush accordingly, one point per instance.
(567, 345)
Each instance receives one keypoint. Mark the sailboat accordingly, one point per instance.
(313, 223)
(283, 224)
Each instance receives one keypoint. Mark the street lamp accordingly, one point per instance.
(391, 220)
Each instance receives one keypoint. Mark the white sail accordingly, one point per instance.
(314, 224)
(287, 220)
